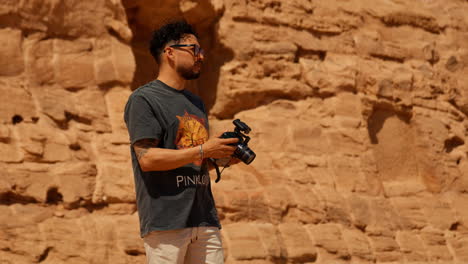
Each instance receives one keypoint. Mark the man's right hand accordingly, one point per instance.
(219, 147)
(152, 158)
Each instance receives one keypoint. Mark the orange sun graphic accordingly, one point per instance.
(191, 132)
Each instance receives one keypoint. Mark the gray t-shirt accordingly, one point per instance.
(176, 198)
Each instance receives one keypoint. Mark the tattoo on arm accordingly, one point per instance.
(142, 146)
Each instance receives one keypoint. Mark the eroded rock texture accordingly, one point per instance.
(358, 109)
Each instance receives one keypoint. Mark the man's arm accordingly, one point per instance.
(152, 158)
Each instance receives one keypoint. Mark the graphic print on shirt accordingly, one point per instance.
(192, 132)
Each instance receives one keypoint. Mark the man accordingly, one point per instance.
(168, 130)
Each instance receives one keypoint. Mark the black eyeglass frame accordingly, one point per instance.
(197, 50)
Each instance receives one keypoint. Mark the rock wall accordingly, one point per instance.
(358, 112)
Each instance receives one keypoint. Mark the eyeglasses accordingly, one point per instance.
(197, 50)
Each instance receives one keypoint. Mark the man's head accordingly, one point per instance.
(176, 44)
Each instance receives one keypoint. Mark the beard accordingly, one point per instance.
(189, 73)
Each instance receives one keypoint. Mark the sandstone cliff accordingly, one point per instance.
(358, 110)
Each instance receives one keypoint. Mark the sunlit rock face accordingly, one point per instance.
(358, 112)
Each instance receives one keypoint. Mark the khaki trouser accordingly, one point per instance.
(197, 245)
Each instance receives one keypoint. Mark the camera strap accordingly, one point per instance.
(215, 165)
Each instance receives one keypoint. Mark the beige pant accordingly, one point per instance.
(197, 245)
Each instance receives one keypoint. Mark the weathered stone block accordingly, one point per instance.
(55, 103)
(411, 215)
(24, 238)
(310, 209)
(284, 48)
(307, 41)
(359, 210)
(308, 138)
(416, 19)
(96, 235)
(5, 133)
(54, 152)
(347, 105)
(458, 203)
(299, 246)
(11, 152)
(336, 209)
(104, 68)
(358, 245)
(394, 147)
(245, 244)
(32, 183)
(385, 248)
(329, 238)
(115, 183)
(299, 170)
(459, 243)
(279, 199)
(110, 151)
(432, 133)
(347, 174)
(70, 56)
(18, 105)
(115, 100)
(436, 245)
(438, 212)
(258, 207)
(387, 50)
(343, 142)
(119, 27)
(237, 206)
(123, 61)
(335, 74)
(44, 143)
(411, 245)
(384, 218)
(39, 63)
(270, 237)
(91, 109)
(11, 51)
(127, 235)
(77, 18)
(75, 182)
(239, 94)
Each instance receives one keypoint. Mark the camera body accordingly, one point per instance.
(242, 152)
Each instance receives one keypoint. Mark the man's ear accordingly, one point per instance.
(169, 53)
(168, 56)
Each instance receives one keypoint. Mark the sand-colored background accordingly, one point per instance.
(358, 110)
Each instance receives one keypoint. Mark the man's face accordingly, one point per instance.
(188, 57)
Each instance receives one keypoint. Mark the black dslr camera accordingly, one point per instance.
(242, 152)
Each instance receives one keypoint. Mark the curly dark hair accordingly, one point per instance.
(173, 31)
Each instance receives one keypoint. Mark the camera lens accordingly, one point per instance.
(244, 153)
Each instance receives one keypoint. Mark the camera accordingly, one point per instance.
(242, 152)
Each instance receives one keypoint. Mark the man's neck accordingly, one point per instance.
(172, 79)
